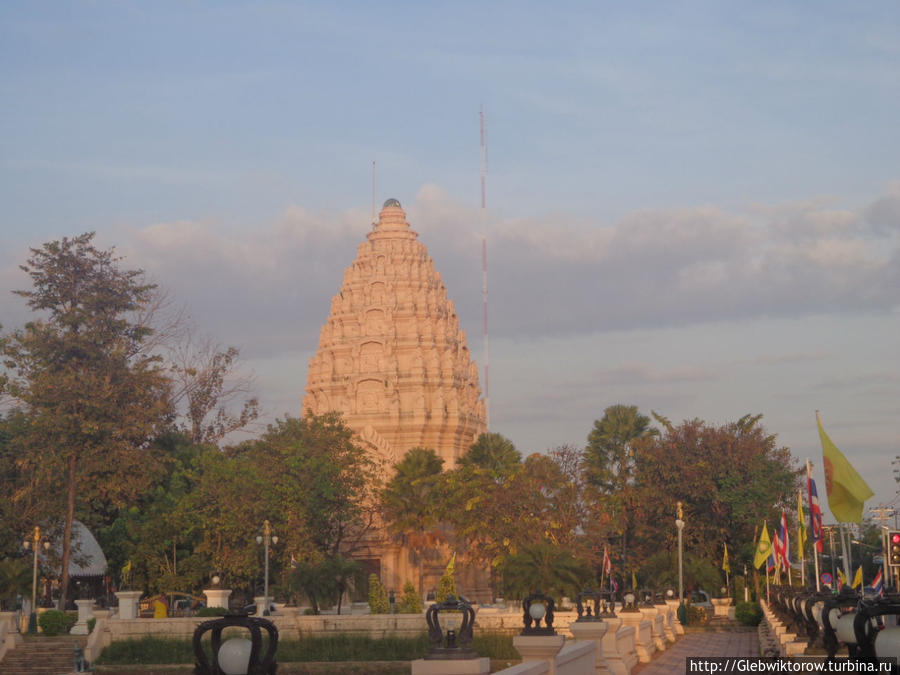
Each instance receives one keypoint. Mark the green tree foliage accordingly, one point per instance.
(728, 479)
(93, 397)
(492, 455)
(410, 602)
(306, 476)
(321, 581)
(158, 532)
(378, 597)
(411, 503)
(546, 568)
(15, 579)
(498, 508)
(609, 468)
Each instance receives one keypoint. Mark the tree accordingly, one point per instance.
(15, 579)
(609, 466)
(93, 397)
(322, 579)
(547, 568)
(727, 478)
(410, 502)
(306, 476)
(204, 388)
(492, 455)
(410, 602)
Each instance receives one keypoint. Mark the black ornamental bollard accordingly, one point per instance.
(236, 656)
(455, 644)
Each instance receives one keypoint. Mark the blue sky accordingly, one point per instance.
(693, 207)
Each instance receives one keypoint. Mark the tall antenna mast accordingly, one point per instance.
(484, 278)
(373, 192)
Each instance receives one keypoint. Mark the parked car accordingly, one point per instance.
(700, 598)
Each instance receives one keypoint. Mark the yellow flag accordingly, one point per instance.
(763, 548)
(801, 523)
(841, 576)
(857, 578)
(846, 489)
(725, 566)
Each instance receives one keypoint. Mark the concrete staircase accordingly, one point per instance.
(39, 655)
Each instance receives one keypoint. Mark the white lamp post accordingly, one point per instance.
(35, 540)
(679, 523)
(266, 539)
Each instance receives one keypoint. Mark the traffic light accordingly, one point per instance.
(894, 548)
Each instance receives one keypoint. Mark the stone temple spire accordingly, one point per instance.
(392, 357)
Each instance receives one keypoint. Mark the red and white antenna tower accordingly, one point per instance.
(484, 284)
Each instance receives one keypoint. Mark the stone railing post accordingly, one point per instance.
(217, 597)
(674, 622)
(129, 602)
(85, 612)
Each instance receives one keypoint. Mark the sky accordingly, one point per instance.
(692, 207)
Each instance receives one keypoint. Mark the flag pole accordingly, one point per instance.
(603, 566)
(844, 552)
(800, 540)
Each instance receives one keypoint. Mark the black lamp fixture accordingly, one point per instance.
(454, 644)
(538, 607)
(236, 655)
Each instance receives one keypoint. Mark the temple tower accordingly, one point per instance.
(394, 361)
(392, 357)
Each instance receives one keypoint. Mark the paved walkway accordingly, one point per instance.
(708, 643)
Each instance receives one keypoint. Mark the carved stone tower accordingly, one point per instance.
(393, 360)
(391, 356)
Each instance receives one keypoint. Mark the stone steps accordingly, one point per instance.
(39, 655)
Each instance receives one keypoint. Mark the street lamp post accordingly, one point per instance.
(267, 539)
(679, 523)
(34, 542)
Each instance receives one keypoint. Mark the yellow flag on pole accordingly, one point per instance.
(857, 578)
(763, 548)
(725, 566)
(847, 491)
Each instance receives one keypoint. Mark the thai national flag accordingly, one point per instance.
(770, 564)
(613, 586)
(607, 564)
(778, 547)
(785, 543)
(878, 584)
(815, 512)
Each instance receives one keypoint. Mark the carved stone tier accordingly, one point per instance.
(392, 357)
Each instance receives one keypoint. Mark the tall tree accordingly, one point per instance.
(411, 502)
(306, 476)
(728, 479)
(94, 398)
(609, 465)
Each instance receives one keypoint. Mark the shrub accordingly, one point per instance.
(748, 613)
(149, 649)
(447, 585)
(410, 603)
(342, 647)
(378, 597)
(695, 615)
(91, 623)
(211, 611)
(54, 622)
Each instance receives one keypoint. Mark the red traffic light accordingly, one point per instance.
(895, 537)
